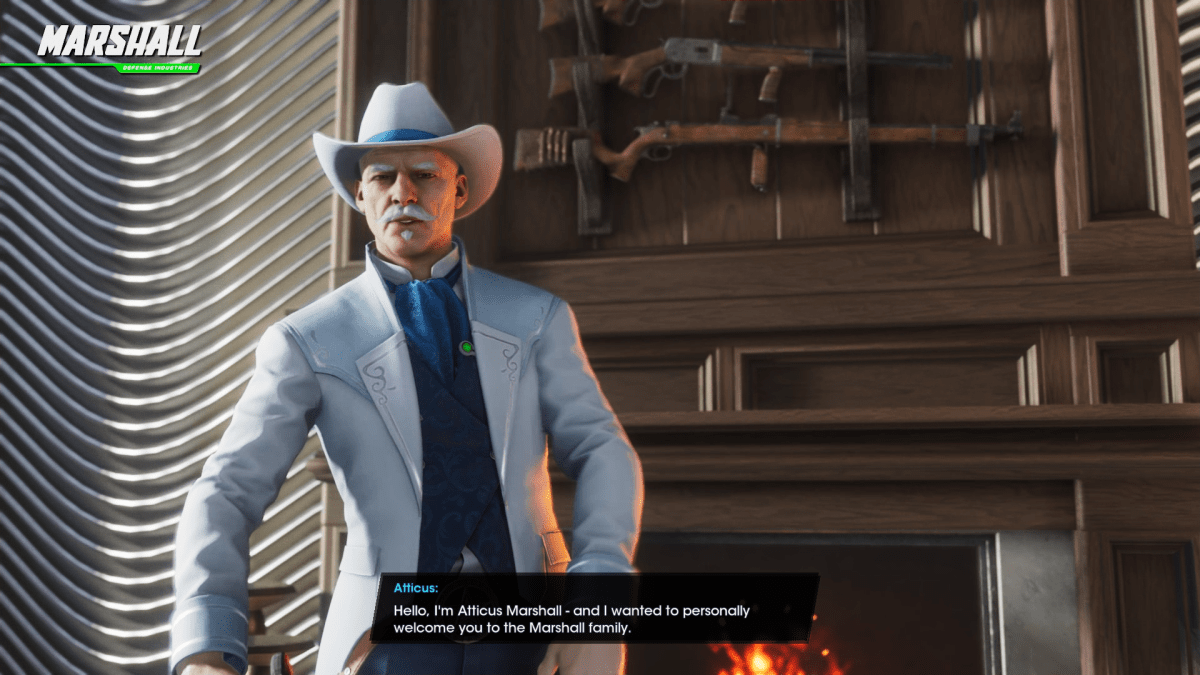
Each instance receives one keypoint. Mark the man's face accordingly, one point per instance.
(421, 177)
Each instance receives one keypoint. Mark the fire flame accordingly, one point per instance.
(786, 659)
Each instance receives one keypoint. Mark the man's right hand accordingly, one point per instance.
(206, 663)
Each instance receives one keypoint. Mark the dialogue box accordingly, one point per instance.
(645, 608)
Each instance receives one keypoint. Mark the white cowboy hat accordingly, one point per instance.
(406, 115)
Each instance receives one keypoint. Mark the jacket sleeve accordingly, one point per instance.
(269, 427)
(591, 448)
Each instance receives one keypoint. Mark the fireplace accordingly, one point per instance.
(953, 604)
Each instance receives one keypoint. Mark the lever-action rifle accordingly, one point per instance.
(637, 73)
(543, 148)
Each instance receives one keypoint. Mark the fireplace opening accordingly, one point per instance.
(888, 603)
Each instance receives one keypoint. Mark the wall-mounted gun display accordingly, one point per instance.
(554, 12)
(550, 147)
(641, 73)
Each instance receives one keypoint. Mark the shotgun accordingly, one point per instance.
(543, 148)
(636, 74)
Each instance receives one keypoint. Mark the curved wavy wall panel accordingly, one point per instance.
(1189, 37)
(153, 226)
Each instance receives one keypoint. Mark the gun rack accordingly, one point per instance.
(640, 74)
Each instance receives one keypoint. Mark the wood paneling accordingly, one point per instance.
(1153, 604)
(1138, 602)
(849, 507)
(810, 179)
(1171, 343)
(1134, 375)
(1166, 296)
(1109, 162)
(884, 264)
(719, 202)
(921, 188)
(1015, 73)
(651, 210)
(1116, 95)
(949, 417)
(1131, 505)
(872, 455)
(658, 385)
(882, 379)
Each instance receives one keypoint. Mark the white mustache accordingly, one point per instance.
(396, 212)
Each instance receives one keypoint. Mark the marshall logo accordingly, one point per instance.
(118, 40)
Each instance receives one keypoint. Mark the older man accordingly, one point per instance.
(434, 386)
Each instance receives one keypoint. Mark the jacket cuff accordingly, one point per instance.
(209, 623)
(595, 565)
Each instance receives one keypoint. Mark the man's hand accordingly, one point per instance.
(583, 659)
(206, 663)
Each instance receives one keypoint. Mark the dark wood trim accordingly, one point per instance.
(741, 272)
(966, 417)
(1168, 295)
(785, 506)
(1111, 243)
(421, 48)
(961, 459)
(346, 105)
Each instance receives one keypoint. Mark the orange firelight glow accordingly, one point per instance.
(771, 659)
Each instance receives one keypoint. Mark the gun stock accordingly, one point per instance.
(770, 86)
(554, 12)
(737, 13)
(613, 10)
(629, 72)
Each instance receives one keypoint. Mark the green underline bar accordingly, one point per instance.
(126, 68)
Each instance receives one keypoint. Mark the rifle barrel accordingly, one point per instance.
(786, 132)
(695, 51)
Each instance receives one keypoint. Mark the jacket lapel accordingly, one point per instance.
(499, 357)
(386, 371)
(499, 363)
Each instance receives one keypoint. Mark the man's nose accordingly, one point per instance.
(404, 190)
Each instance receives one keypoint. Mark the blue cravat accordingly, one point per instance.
(433, 318)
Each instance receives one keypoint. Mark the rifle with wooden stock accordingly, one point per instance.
(550, 147)
(635, 73)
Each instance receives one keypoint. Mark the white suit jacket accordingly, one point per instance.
(342, 364)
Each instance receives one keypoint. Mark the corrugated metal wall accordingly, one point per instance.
(152, 227)
(1189, 36)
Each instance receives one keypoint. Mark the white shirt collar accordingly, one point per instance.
(400, 275)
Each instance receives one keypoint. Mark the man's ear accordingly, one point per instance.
(358, 194)
(460, 191)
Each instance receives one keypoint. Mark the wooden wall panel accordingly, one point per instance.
(1115, 98)
(1153, 607)
(1165, 352)
(882, 379)
(849, 507)
(810, 179)
(651, 209)
(537, 210)
(720, 203)
(921, 188)
(1016, 76)
(1097, 150)
(658, 385)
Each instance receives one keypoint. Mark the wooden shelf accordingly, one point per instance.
(998, 417)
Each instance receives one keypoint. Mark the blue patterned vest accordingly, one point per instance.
(461, 502)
